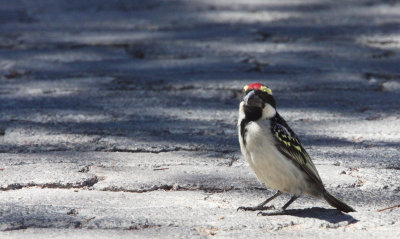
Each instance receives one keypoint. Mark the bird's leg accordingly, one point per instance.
(280, 211)
(289, 202)
(261, 205)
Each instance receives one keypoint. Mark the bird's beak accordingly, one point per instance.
(251, 99)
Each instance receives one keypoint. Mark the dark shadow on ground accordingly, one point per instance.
(174, 65)
(329, 215)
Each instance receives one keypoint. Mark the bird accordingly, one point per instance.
(275, 153)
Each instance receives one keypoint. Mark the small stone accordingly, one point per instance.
(392, 86)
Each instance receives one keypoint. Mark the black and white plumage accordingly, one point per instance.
(274, 152)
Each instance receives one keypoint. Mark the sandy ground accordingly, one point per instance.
(118, 118)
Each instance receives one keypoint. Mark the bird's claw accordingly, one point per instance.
(257, 208)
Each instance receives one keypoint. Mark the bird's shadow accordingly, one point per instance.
(329, 215)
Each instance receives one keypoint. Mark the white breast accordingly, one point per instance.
(271, 167)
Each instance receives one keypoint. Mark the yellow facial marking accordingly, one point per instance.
(246, 87)
(266, 90)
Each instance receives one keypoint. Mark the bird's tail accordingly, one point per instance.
(334, 202)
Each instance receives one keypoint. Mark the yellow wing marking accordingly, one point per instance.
(282, 140)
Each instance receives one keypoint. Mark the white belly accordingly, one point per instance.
(271, 167)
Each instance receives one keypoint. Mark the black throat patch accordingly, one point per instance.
(251, 114)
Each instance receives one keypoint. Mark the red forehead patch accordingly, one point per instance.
(255, 86)
(258, 86)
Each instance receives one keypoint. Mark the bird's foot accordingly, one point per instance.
(273, 213)
(256, 208)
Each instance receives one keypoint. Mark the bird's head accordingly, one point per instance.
(258, 102)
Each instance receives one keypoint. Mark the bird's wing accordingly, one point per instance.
(290, 146)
